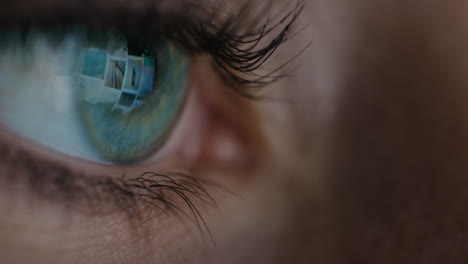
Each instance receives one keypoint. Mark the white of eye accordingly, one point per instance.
(38, 94)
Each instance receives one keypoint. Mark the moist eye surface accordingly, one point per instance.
(108, 96)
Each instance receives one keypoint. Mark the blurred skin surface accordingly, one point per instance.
(365, 163)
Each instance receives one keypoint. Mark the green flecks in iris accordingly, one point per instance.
(127, 137)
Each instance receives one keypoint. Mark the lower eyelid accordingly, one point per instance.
(152, 193)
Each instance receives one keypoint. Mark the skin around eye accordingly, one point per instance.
(57, 201)
(213, 115)
(103, 95)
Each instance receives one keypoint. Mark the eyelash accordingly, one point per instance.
(91, 194)
(235, 47)
(236, 51)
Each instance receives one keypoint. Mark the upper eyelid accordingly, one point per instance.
(238, 43)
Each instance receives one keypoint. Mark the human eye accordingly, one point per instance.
(84, 98)
(104, 96)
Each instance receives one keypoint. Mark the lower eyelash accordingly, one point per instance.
(172, 192)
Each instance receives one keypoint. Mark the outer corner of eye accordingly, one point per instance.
(105, 96)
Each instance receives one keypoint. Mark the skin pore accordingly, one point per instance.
(363, 160)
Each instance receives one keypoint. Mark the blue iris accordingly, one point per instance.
(140, 94)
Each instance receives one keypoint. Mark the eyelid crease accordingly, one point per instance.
(137, 198)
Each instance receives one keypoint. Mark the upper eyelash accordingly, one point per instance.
(239, 48)
(235, 46)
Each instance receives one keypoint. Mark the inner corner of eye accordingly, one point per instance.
(107, 96)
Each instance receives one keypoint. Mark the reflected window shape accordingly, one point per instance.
(115, 78)
(115, 74)
(138, 83)
(148, 73)
(132, 79)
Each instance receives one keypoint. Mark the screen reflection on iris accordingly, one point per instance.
(103, 95)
